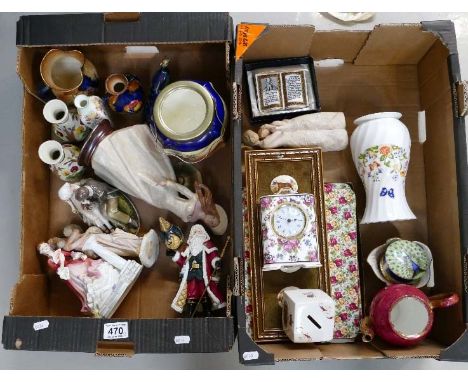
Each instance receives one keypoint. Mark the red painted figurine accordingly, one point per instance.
(199, 261)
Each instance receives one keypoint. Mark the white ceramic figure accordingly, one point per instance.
(380, 147)
(134, 162)
(119, 242)
(99, 204)
(308, 314)
(102, 284)
(62, 159)
(326, 130)
(91, 110)
(90, 213)
(65, 123)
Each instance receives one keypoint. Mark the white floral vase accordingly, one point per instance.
(91, 109)
(66, 123)
(380, 147)
(62, 159)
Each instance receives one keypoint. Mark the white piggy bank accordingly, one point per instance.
(308, 314)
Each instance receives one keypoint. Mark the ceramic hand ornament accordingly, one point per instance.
(380, 147)
(326, 130)
(131, 160)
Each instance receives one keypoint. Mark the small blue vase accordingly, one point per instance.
(124, 93)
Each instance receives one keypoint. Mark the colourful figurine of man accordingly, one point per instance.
(199, 262)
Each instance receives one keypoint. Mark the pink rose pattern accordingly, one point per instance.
(247, 276)
(344, 278)
(279, 250)
(340, 203)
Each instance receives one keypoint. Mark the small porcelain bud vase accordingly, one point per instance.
(380, 147)
(124, 93)
(63, 160)
(308, 314)
(91, 110)
(66, 124)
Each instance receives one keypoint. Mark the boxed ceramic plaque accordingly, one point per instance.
(282, 87)
(144, 322)
(411, 69)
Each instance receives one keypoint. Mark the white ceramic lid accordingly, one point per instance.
(183, 110)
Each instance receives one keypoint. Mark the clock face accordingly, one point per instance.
(289, 221)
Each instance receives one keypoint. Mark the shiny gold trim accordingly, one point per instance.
(252, 159)
(295, 205)
(411, 336)
(166, 92)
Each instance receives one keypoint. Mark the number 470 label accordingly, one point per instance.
(115, 330)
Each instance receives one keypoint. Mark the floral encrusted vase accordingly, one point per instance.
(62, 159)
(66, 123)
(124, 93)
(380, 147)
(91, 109)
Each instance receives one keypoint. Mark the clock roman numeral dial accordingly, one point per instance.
(289, 221)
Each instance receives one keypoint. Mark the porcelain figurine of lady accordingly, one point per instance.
(119, 242)
(98, 204)
(100, 284)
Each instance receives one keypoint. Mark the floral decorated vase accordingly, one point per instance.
(62, 159)
(68, 73)
(91, 109)
(66, 123)
(380, 147)
(124, 93)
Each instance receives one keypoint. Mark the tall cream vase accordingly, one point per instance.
(380, 147)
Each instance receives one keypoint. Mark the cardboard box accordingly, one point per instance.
(199, 46)
(407, 68)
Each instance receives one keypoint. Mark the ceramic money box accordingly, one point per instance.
(308, 314)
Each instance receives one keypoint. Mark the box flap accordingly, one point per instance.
(212, 334)
(340, 44)
(95, 28)
(395, 44)
(275, 42)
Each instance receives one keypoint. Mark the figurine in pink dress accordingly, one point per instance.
(100, 284)
(198, 260)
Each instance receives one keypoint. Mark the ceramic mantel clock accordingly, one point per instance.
(289, 227)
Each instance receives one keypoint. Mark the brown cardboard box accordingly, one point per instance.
(406, 68)
(199, 47)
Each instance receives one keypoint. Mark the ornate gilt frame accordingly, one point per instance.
(296, 160)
